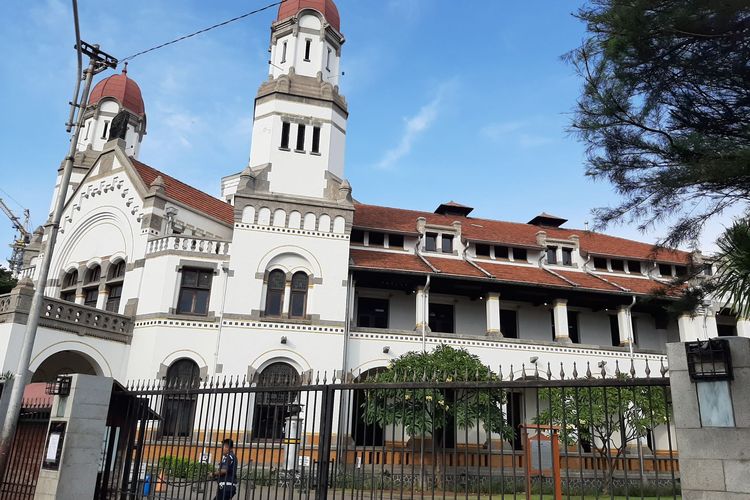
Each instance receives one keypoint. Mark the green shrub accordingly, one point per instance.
(184, 468)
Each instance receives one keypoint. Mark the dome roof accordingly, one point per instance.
(291, 8)
(122, 88)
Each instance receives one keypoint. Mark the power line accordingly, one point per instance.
(223, 23)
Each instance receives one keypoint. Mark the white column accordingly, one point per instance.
(420, 309)
(560, 314)
(493, 314)
(708, 324)
(691, 327)
(101, 300)
(624, 325)
(743, 327)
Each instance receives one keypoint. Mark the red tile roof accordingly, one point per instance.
(511, 233)
(187, 195)
(367, 259)
(509, 273)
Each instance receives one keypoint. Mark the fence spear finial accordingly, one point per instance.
(588, 369)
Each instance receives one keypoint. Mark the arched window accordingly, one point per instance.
(298, 297)
(91, 286)
(69, 285)
(272, 406)
(275, 292)
(178, 410)
(114, 285)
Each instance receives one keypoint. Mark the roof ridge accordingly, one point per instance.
(163, 174)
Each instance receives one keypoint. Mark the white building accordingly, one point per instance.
(152, 277)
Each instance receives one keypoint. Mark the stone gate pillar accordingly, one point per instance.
(77, 426)
(712, 424)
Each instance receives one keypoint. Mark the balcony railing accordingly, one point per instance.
(66, 316)
(191, 244)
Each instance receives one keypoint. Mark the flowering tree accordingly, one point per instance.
(432, 404)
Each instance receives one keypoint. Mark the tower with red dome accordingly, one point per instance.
(299, 125)
(110, 96)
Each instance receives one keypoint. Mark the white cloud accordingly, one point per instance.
(414, 126)
(519, 132)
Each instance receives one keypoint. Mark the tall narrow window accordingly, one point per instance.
(91, 286)
(178, 409)
(551, 255)
(430, 242)
(285, 126)
(88, 129)
(308, 45)
(328, 60)
(106, 129)
(298, 297)
(614, 330)
(573, 327)
(69, 285)
(114, 286)
(446, 243)
(509, 323)
(195, 290)
(300, 137)
(316, 140)
(275, 292)
(567, 256)
(283, 52)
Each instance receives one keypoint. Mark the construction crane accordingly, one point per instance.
(15, 262)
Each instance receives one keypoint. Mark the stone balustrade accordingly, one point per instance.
(189, 244)
(66, 316)
(26, 272)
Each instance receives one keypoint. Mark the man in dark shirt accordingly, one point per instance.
(226, 475)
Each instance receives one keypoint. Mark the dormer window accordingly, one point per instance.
(551, 255)
(447, 243)
(680, 270)
(600, 264)
(396, 241)
(520, 254)
(482, 250)
(430, 242)
(665, 269)
(567, 256)
(308, 45)
(634, 266)
(501, 252)
(376, 239)
(618, 265)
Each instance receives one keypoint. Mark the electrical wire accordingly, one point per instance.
(223, 23)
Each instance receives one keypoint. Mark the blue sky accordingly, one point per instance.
(448, 100)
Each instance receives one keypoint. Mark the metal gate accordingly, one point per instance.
(27, 451)
(419, 435)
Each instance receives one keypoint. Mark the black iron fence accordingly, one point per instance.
(19, 481)
(589, 435)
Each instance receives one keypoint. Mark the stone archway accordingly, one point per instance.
(65, 363)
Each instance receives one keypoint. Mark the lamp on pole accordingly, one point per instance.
(98, 62)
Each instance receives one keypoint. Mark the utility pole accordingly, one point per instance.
(98, 62)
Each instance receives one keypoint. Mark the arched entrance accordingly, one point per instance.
(65, 363)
